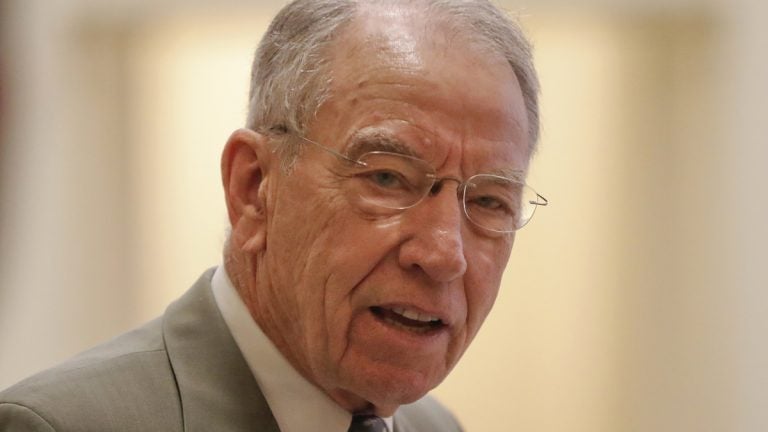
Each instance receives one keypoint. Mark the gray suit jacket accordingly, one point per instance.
(180, 372)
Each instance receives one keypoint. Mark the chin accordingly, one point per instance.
(386, 387)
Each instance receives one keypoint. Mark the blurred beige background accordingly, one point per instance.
(636, 302)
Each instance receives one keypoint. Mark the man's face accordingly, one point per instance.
(343, 290)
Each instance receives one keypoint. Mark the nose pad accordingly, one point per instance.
(438, 185)
(435, 189)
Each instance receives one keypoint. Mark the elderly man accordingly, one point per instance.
(374, 200)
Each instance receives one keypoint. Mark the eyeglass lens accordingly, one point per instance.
(385, 182)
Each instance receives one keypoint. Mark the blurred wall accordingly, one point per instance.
(634, 302)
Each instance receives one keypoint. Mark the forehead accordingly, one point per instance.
(400, 76)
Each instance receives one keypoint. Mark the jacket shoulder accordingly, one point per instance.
(124, 384)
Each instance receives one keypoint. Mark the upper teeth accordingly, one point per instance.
(414, 315)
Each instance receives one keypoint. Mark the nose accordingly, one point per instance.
(434, 242)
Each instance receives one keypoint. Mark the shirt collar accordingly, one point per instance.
(286, 391)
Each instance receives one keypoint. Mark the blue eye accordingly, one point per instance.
(386, 179)
(488, 202)
(491, 205)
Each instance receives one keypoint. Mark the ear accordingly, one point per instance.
(245, 164)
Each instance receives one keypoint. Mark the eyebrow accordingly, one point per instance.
(367, 141)
(510, 173)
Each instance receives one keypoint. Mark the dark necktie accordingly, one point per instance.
(367, 423)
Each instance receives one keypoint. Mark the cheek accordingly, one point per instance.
(356, 251)
(317, 259)
(296, 250)
(359, 246)
(482, 282)
(301, 220)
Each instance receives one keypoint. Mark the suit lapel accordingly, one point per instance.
(216, 386)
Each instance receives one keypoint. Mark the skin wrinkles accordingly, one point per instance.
(315, 267)
(402, 48)
(376, 139)
(371, 139)
(373, 84)
(408, 137)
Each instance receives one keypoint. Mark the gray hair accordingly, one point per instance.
(291, 76)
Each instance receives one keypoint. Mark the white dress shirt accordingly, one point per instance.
(296, 404)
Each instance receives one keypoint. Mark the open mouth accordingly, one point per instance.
(408, 319)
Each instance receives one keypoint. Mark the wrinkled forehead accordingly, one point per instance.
(392, 54)
(404, 32)
(423, 82)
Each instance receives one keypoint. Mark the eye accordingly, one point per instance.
(386, 179)
(488, 202)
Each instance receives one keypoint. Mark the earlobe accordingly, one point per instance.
(244, 168)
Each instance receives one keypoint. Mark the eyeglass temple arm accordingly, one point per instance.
(540, 202)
